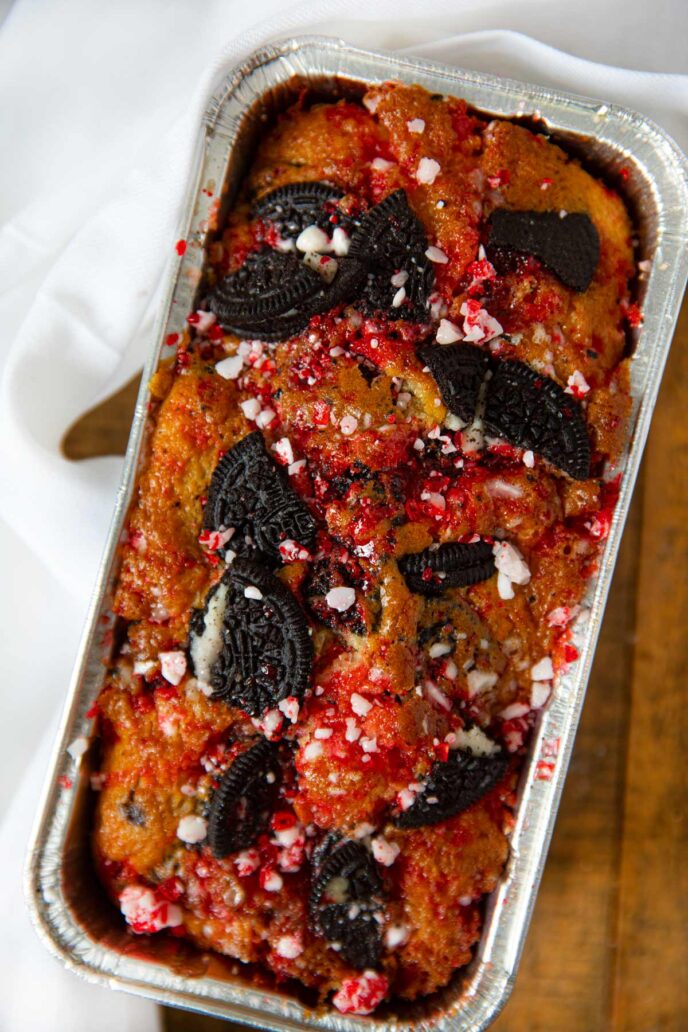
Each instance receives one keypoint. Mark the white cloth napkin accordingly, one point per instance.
(98, 111)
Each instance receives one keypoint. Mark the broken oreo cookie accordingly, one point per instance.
(241, 803)
(459, 371)
(525, 407)
(296, 206)
(390, 240)
(250, 643)
(452, 565)
(249, 492)
(568, 245)
(453, 786)
(532, 411)
(272, 294)
(345, 899)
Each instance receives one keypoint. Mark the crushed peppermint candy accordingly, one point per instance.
(192, 829)
(539, 694)
(247, 862)
(251, 591)
(416, 125)
(172, 666)
(396, 935)
(542, 670)
(528, 459)
(478, 325)
(312, 238)
(399, 297)
(340, 599)
(77, 748)
(340, 242)
(283, 450)
(448, 332)
(353, 731)
(369, 745)
(428, 171)
(384, 852)
(362, 994)
(439, 648)
(399, 278)
(323, 733)
(516, 709)
(359, 705)
(480, 681)
(230, 368)
(145, 912)
(271, 880)
(381, 164)
(291, 551)
(290, 708)
(349, 424)
(511, 568)
(295, 468)
(289, 946)
(562, 615)
(265, 417)
(250, 407)
(312, 751)
(435, 254)
(577, 385)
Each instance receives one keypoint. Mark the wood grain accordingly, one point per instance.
(608, 946)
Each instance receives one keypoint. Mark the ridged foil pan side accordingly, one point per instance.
(67, 904)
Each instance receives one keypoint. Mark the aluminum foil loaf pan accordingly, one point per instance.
(69, 908)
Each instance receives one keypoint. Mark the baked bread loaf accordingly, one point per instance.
(374, 491)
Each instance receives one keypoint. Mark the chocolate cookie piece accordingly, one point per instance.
(249, 492)
(532, 411)
(345, 899)
(459, 371)
(453, 786)
(240, 805)
(391, 239)
(452, 565)
(568, 245)
(250, 643)
(324, 575)
(295, 206)
(274, 295)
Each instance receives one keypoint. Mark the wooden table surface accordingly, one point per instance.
(608, 945)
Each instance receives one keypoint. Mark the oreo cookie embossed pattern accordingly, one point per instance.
(374, 492)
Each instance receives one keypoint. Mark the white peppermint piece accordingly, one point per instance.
(480, 681)
(505, 588)
(353, 731)
(399, 297)
(381, 164)
(510, 562)
(172, 666)
(340, 599)
(539, 694)
(313, 238)
(251, 591)
(439, 648)
(399, 278)
(359, 705)
(448, 332)
(341, 242)
(230, 368)
(192, 829)
(516, 709)
(265, 417)
(348, 425)
(250, 407)
(416, 125)
(428, 171)
(284, 451)
(289, 947)
(435, 254)
(77, 748)
(312, 751)
(396, 935)
(324, 266)
(542, 670)
(528, 459)
(384, 852)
